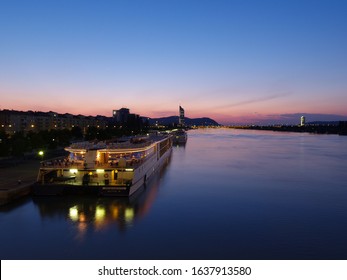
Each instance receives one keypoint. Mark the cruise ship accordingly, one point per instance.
(117, 168)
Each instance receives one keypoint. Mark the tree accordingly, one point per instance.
(4, 144)
(19, 144)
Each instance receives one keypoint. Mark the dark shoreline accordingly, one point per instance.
(315, 129)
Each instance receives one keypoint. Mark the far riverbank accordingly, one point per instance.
(340, 129)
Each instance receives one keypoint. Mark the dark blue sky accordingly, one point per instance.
(232, 60)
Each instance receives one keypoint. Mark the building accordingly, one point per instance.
(302, 121)
(181, 117)
(121, 115)
(124, 117)
(12, 121)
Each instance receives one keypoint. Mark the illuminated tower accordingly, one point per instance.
(181, 117)
(302, 121)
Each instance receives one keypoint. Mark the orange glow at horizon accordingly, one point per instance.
(223, 109)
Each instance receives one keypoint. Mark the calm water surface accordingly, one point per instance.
(227, 194)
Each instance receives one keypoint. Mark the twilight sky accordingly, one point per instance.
(232, 60)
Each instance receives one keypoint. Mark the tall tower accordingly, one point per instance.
(302, 121)
(181, 117)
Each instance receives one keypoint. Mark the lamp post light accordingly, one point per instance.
(41, 154)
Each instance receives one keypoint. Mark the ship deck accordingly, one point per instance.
(66, 163)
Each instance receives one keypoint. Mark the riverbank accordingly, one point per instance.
(315, 129)
(16, 180)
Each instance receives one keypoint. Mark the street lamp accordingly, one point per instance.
(41, 154)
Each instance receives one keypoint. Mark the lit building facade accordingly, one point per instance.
(302, 121)
(12, 121)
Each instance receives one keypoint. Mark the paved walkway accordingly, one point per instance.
(15, 180)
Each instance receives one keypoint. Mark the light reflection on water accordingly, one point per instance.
(227, 194)
(100, 213)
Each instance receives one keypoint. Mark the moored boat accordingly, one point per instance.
(104, 168)
(179, 136)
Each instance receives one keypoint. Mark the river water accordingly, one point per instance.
(226, 194)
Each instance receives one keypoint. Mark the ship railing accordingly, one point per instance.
(82, 165)
(129, 163)
(61, 162)
(116, 164)
(75, 182)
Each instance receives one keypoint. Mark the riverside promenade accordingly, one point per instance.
(16, 179)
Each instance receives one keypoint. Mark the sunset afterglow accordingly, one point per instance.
(233, 61)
